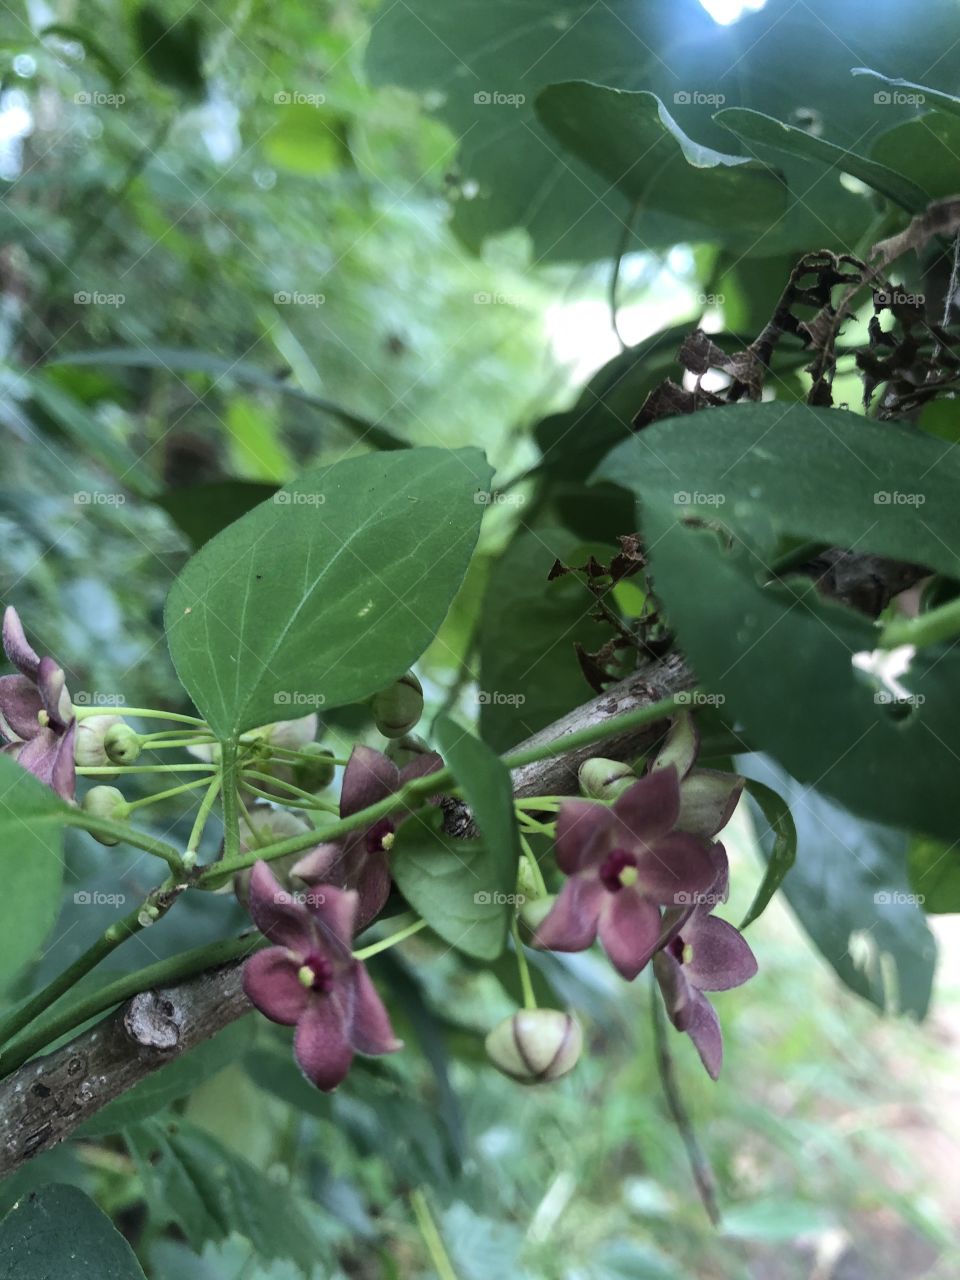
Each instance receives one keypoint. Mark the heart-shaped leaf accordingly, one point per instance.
(58, 1231)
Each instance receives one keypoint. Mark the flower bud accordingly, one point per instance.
(292, 734)
(317, 772)
(406, 749)
(605, 779)
(270, 825)
(122, 743)
(535, 1045)
(533, 913)
(398, 708)
(89, 749)
(105, 802)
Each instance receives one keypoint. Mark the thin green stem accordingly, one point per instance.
(111, 771)
(534, 865)
(290, 801)
(144, 713)
(942, 623)
(307, 796)
(120, 831)
(200, 822)
(386, 943)
(180, 967)
(287, 755)
(529, 999)
(229, 758)
(165, 795)
(169, 744)
(431, 1236)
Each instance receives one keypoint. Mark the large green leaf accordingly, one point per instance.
(926, 150)
(934, 870)
(529, 674)
(487, 789)
(849, 890)
(632, 141)
(58, 1233)
(31, 865)
(329, 591)
(790, 61)
(780, 655)
(462, 888)
(756, 128)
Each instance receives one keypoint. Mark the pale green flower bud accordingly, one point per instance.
(533, 1046)
(605, 779)
(105, 802)
(89, 749)
(122, 743)
(398, 708)
(317, 772)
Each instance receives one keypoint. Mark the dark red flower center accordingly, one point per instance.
(612, 875)
(316, 973)
(377, 835)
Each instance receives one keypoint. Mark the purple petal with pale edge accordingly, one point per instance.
(20, 704)
(52, 684)
(720, 958)
(720, 889)
(583, 828)
(369, 777)
(320, 1044)
(426, 764)
(648, 809)
(15, 645)
(371, 1032)
(335, 911)
(49, 757)
(629, 931)
(572, 922)
(276, 914)
(373, 887)
(676, 870)
(326, 864)
(271, 983)
(673, 986)
(703, 1028)
(680, 746)
(707, 801)
(64, 775)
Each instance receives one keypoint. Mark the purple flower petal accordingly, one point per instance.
(583, 828)
(271, 983)
(52, 684)
(20, 705)
(703, 1028)
(707, 801)
(49, 757)
(676, 869)
(675, 989)
(276, 914)
(572, 922)
(322, 865)
(425, 764)
(320, 1044)
(15, 645)
(371, 1031)
(368, 778)
(629, 931)
(649, 809)
(720, 957)
(373, 882)
(680, 746)
(335, 911)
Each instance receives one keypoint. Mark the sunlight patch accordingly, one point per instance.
(727, 11)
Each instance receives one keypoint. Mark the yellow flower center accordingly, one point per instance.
(629, 876)
(306, 975)
(386, 844)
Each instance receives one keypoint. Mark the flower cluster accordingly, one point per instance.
(644, 874)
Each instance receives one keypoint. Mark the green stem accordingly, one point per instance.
(200, 822)
(290, 801)
(165, 795)
(145, 713)
(534, 865)
(419, 788)
(942, 623)
(111, 771)
(529, 999)
(229, 759)
(307, 796)
(431, 1237)
(128, 835)
(180, 967)
(376, 947)
(169, 744)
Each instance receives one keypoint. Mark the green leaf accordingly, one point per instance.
(59, 1232)
(329, 591)
(849, 891)
(462, 888)
(171, 1082)
(636, 145)
(31, 866)
(209, 1192)
(485, 781)
(171, 50)
(72, 35)
(306, 140)
(755, 127)
(925, 150)
(204, 509)
(782, 855)
(934, 871)
(780, 654)
(177, 360)
(924, 96)
(529, 673)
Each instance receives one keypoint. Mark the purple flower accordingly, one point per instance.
(706, 954)
(36, 715)
(624, 861)
(311, 980)
(360, 860)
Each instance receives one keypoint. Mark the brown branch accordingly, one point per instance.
(46, 1099)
